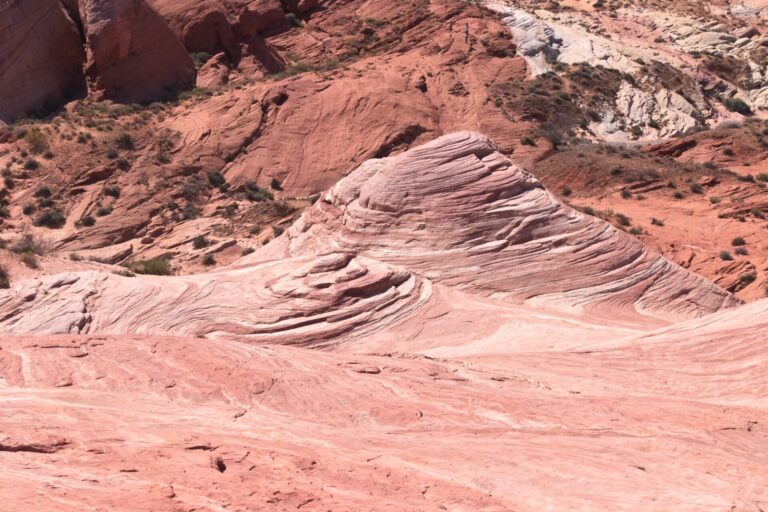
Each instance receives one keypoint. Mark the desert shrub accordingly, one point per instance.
(278, 230)
(248, 250)
(741, 251)
(527, 141)
(200, 242)
(48, 155)
(566, 192)
(52, 219)
(28, 243)
(738, 241)
(4, 212)
(111, 153)
(190, 211)
(36, 140)
(154, 266)
(29, 209)
(125, 141)
(275, 184)
(9, 182)
(208, 260)
(293, 20)
(200, 58)
(728, 152)
(123, 164)
(725, 256)
(5, 281)
(737, 105)
(112, 190)
(87, 221)
(31, 164)
(192, 188)
(103, 211)
(29, 259)
(762, 177)
(696, 188)
(748, 277)
(257, 194)
(626, 194)
(714, 200)
(678, 195)
(657, 222)
(216, 179)
(622, 219)
(43, 191)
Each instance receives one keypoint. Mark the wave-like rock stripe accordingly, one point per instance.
(305, 301)
(459, 213)
(675, 420)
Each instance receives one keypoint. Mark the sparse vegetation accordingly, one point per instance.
(738, 241)
(257, 194)
(51, 218)
(200, 242)
(154, 266)
(36, 140)
(737, 105)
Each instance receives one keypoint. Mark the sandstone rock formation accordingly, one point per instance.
(132, 54)
(41, 58)
(478, 337)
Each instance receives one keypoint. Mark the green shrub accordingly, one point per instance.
(36, 140)
(155, 267)
(738, 241)
(125, 141)
(216, 179)
(52, 219)
(5, 281)
(200, 242)
(257, 194)
(112, 190)
(43, 191)
(737, 105)
(30, 260)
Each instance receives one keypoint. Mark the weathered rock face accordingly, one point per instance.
(41, 57)
(132, 54)
(464, 215)
(439, 343)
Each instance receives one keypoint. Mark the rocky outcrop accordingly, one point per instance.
(458, 212)
(132, 54)
(41, 57)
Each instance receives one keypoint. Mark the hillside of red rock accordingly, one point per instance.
(453, 375)
(379, 255)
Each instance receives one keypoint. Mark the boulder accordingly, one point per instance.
(132, 55)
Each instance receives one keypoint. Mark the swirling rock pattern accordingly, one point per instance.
(458, 212)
